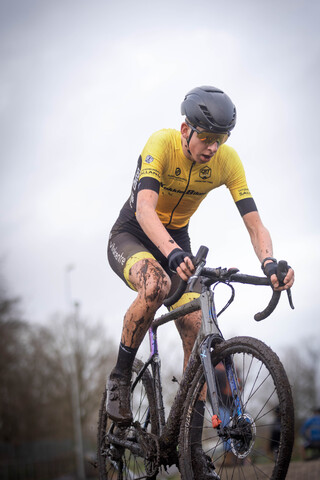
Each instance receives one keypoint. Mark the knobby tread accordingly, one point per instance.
(262, 352)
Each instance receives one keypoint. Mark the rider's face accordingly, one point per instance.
(200, 152)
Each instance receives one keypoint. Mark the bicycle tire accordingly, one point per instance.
(264, 389)
(117, 462)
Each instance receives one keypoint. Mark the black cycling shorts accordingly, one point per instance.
(125, 249)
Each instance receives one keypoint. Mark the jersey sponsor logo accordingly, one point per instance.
(131, 201)
(150, 172)
(149, 159)
(182, 192)
(205, 173)
(244, 191)
(134, 186)
(118, 256)
(203, 181)
(176, 179)
(170, 189)
(194, 192)
(136, 178)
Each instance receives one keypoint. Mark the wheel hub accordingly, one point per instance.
(243, 435)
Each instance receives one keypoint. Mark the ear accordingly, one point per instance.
(185, 130)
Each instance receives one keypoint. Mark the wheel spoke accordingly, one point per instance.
(124, 458)
(241, 447)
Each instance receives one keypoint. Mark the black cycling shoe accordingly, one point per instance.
(118, 400)
(202, 465)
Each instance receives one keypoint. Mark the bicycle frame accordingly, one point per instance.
(209, 335)
(240, 430)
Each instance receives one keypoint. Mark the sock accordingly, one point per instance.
(197, 423)
(125, 361)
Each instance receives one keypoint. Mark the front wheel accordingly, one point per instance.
(255, 437)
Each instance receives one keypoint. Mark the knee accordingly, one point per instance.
(157, 286)
(153, 283)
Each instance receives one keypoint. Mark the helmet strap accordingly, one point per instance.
(188, 140)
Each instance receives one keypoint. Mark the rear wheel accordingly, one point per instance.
(130, 452)
(256, 440)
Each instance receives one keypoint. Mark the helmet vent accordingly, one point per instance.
(207, 113)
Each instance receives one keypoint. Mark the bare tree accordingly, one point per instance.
(303, 369)
(76, 340)
(13, 334)
(36, 374)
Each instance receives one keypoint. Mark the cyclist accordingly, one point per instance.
(310, 432)
(149, 245)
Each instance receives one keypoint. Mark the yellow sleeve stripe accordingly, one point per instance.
(131, 261)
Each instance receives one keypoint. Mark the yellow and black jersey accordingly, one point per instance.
(181, 183)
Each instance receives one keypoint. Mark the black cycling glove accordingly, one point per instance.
(274, 268)
(271, 268)
(176, 257)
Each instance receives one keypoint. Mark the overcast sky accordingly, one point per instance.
(82, 86)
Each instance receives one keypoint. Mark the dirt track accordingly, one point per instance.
(297, 471)
(304, 470)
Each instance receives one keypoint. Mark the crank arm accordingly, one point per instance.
(130, 445)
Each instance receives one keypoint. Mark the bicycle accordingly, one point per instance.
(237, 428)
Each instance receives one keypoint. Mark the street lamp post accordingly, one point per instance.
(74, 383)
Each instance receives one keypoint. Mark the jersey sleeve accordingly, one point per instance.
(152, 162)
(237, 184)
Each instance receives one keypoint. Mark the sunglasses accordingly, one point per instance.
(209, 137)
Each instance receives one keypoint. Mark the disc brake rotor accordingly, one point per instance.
(243, 435)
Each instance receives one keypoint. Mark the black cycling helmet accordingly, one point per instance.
(209, 108)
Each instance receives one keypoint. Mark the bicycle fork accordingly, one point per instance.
(205, 355)
(211, 336)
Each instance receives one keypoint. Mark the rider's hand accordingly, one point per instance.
(270, 268)
(287, 282)
(180, 262)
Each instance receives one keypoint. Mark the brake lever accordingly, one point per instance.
(290, 298)
(192, 280)
(282, 271)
